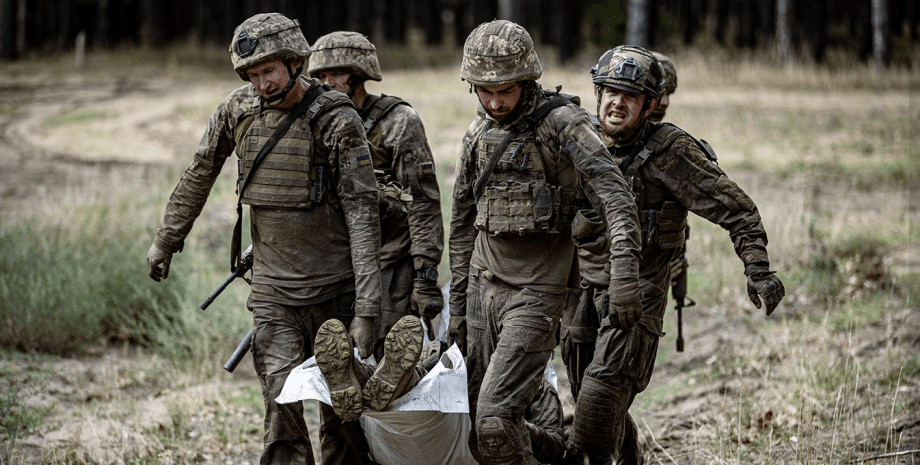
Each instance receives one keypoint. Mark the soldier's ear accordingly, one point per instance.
(597, 92)
(651, 106)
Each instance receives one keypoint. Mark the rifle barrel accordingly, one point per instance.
(239, 353)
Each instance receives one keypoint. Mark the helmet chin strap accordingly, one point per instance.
(290, 85)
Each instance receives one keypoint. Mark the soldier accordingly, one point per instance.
(670, 86)
(671, 173)
(409, 259)
(318, 173)
(519, 176)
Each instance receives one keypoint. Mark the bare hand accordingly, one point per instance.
(362, 335)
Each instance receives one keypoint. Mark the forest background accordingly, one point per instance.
(102, 104)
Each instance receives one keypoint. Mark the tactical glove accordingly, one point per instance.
(362, 335)
(624, 306)
(156, 257)
(763, 283)
(456, 332)
(427, 298)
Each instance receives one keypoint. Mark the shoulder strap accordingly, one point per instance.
(378, 109)
(522, 125)
(299, 110)
(662, 137)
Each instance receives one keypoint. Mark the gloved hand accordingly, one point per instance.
(456, 329)
(362, 335)
(768, 286)
(427, 298)
(624, 306)
(156, 257)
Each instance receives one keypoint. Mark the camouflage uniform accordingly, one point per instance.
(511, 253)
(315, 236)
(399, 148)
(676, 175)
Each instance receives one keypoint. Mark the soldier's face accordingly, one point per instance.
(501, 100)
(270, 78)
(620, 112)
(658, 114)
(335, 78)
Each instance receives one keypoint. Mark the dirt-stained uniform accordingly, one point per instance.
(510, 246)
(670, 173)
(400, 151)
(315, 236)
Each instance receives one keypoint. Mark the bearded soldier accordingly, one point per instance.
(399, 148)
(314, 219)
(670, 173)
(520, 172)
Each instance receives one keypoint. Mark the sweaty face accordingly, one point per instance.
(501, 100)
(270, 78)
(335, 78)
(620, 112)
(658, 114)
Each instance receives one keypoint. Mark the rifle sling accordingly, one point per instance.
(298, 111)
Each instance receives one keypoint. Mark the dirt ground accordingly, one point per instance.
(105, 412)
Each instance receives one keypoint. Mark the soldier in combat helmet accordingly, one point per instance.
(520, 173)
(670, 173)
(399, 148)
(314, 221)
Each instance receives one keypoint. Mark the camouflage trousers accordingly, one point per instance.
(396, 279)
(511, 333)
(283, 338)
(621, 367)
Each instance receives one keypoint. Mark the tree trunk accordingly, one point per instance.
(511, 10)
(784, 31)
(637, 23)
(881, 53)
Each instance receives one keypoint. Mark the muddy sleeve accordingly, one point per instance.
(462, 225)
(703, 188)
(342, 136)
(413, 167)
(191, 193)
(603, 178)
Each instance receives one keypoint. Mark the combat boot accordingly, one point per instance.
(335, 359)
(396, 373)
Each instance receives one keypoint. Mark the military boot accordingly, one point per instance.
(335, 359)
(396, 373)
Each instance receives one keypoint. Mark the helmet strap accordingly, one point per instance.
(294, 74)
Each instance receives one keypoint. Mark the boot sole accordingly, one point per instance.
(334, 358)
(403, 348)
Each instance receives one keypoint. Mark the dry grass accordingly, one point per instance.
(832, 377)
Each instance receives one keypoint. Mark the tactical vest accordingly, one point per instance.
(292, 175)
(377, 108)
(518, 198)
(662, 221)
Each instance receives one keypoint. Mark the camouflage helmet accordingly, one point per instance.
(670, 72)
(498, 53)
(630, 68)
(264, 37)
(345, 50)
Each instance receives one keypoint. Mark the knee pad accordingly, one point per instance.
(494, 439)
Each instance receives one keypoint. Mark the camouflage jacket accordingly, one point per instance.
(575, 158)
(684, 173)
(301, 256)
(399, 147)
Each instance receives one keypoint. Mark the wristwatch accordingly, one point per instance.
(429, 272)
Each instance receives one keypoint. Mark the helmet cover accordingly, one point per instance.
(345, 50)
(265, 37)
(498, 53)
(630, 68)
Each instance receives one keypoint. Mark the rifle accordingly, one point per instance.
(245, 265)
(679, 292)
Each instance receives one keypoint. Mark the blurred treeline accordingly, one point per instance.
(790, 29)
